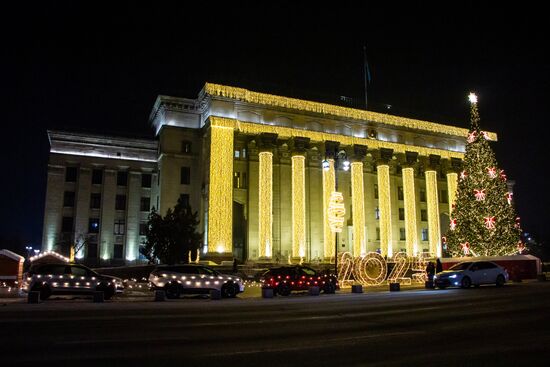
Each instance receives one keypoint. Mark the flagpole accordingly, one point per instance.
(365, 72)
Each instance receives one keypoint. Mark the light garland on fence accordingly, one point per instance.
(298, 206)
(265, 203)
(220, 196)
(327, 109)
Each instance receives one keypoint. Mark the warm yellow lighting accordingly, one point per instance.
(434, 235)
(452, 179)
(384, 204)
(358, 204)
(411, 234)
(298, 206)
(287, 133)
(336, 212)
(327, 109)
(370, 269)
(399, 270)
(265, 203)
(472, 98)
(329, 182)
(220, 197)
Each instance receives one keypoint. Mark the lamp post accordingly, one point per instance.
(339, 155)
(29, 249)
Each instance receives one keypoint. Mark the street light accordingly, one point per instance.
(338, 156)
(29, 249)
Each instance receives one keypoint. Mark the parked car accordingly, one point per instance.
(69, 279)
(286, 279)
(469, 273)
(193, 279)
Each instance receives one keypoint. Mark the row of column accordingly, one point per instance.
(220, 203)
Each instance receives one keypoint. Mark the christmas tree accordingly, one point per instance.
(483, 220)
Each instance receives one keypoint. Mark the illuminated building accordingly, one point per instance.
(251, 164)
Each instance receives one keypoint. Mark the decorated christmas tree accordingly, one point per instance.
(483, 220)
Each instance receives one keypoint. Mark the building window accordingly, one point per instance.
(146, 180)
(120, 202)
(423, 215)
(376, 191)
(401, 213)
(378, 234)
(244, 153)
(185, 176)
(186, 147)
(143, 228)
(122, 178)
(444, 197)
(68, 199)
(402, 234)
(118, 250)
(97, 177)
(237, 154)
(145, 204)
(424, 234)
(422, 195)
(376, 213)
(399, 192)
(70, 174)
(93, 226)
(120, 225)
(67, 224)
(184, 198)
(95, 201)
(239, 180)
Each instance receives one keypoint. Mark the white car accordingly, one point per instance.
(469, 273)
(192, 279)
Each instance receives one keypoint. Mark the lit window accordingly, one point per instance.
(237, 153)
(119, 226)
(424, 234)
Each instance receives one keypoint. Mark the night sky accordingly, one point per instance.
(99, 68)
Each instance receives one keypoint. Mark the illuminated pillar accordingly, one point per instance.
(298, 206)
(220, 195)
(358, 205)
(384, 204)
(452, 178)
(411, 234)
(329, 183)
(265, 204)
(434, 234)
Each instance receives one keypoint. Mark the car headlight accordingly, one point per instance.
(453, 276)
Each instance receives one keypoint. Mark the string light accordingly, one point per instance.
(336, 211)
(452, 182)
(397, 274)
(49, 253)
(358, 204)
(370, 269)
(265, 203)
(220, 197)
(411, 234)
(327, 109)
(298, 206)
(384, 203)
(433, 213)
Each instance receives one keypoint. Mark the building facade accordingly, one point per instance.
(261, 171)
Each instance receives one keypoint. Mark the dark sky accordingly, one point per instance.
(99, 67)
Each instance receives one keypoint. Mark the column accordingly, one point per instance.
(133, 215)
(358, 209)
(220, 193)
(108, 198)
(411, 232)
(53, 211)
(265, 204)
(329, 182)
(298, 206)
(434, 233)
(82, 211)
(384, 202)
(452, 178)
